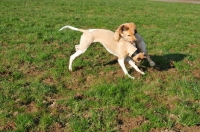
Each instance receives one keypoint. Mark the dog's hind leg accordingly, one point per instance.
(72, 57)
(121, 63)
(85, 42)
(128, 59)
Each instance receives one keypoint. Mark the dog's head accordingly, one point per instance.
(127, 31)
(139, 57)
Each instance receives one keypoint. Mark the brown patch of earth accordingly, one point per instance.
(10, 126)
(177, 128)
(127, 123)
(31, 107)
(57, 127)
(182, 1)
(196, 74)
(50, 81)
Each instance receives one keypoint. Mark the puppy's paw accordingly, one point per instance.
(152, 64)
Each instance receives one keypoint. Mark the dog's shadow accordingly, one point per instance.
(166, 62)
(163, 62)
(112, 62)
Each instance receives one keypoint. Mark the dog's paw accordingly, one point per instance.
(130, 76)
(70, 69)
(142, 73)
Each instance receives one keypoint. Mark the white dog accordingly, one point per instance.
(120, 44)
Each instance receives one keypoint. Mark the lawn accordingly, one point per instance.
(38, 93)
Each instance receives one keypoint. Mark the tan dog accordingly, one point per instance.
(119, 44)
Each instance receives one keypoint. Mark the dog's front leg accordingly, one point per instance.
(128, 59)
(121, 63)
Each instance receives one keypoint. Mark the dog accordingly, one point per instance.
(119, 43)
(140, 45)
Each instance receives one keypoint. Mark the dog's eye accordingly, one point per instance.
(129, 35)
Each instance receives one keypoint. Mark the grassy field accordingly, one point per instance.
(38, 93)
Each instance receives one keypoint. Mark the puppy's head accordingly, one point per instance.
(126, 31)
(139, 57)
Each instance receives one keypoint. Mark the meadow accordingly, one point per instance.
(38, 93)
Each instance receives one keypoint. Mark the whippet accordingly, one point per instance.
(120, 44)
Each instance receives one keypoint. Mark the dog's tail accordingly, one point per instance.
(72, 28)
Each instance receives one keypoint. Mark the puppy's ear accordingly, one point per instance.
(118, 32)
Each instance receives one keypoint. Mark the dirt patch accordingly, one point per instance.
(10, 126)
(56, 127)
(127, 123)
(191, 129)
(31, 107)
(182, 1)
(49, 81)
(177, 128)
(196, 74)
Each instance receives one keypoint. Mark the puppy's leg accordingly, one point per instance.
(128, 59)
(72, 57)
(140, 44)
(150, 61)
(121, 63)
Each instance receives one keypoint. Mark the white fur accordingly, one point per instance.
(70, 27)
(91, 30)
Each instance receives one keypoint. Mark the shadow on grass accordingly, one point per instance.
(112, 62)
(165, 62)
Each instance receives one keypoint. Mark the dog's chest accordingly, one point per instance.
(111, 51)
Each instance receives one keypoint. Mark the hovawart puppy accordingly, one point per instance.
(119, 44)
(141, 46)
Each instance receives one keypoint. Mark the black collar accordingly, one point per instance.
(135, 53)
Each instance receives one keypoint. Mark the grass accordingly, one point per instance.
(38, 93)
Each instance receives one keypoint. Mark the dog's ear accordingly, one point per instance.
(124, 27)
(119, 30)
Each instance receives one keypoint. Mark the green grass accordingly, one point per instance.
(38, 93)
